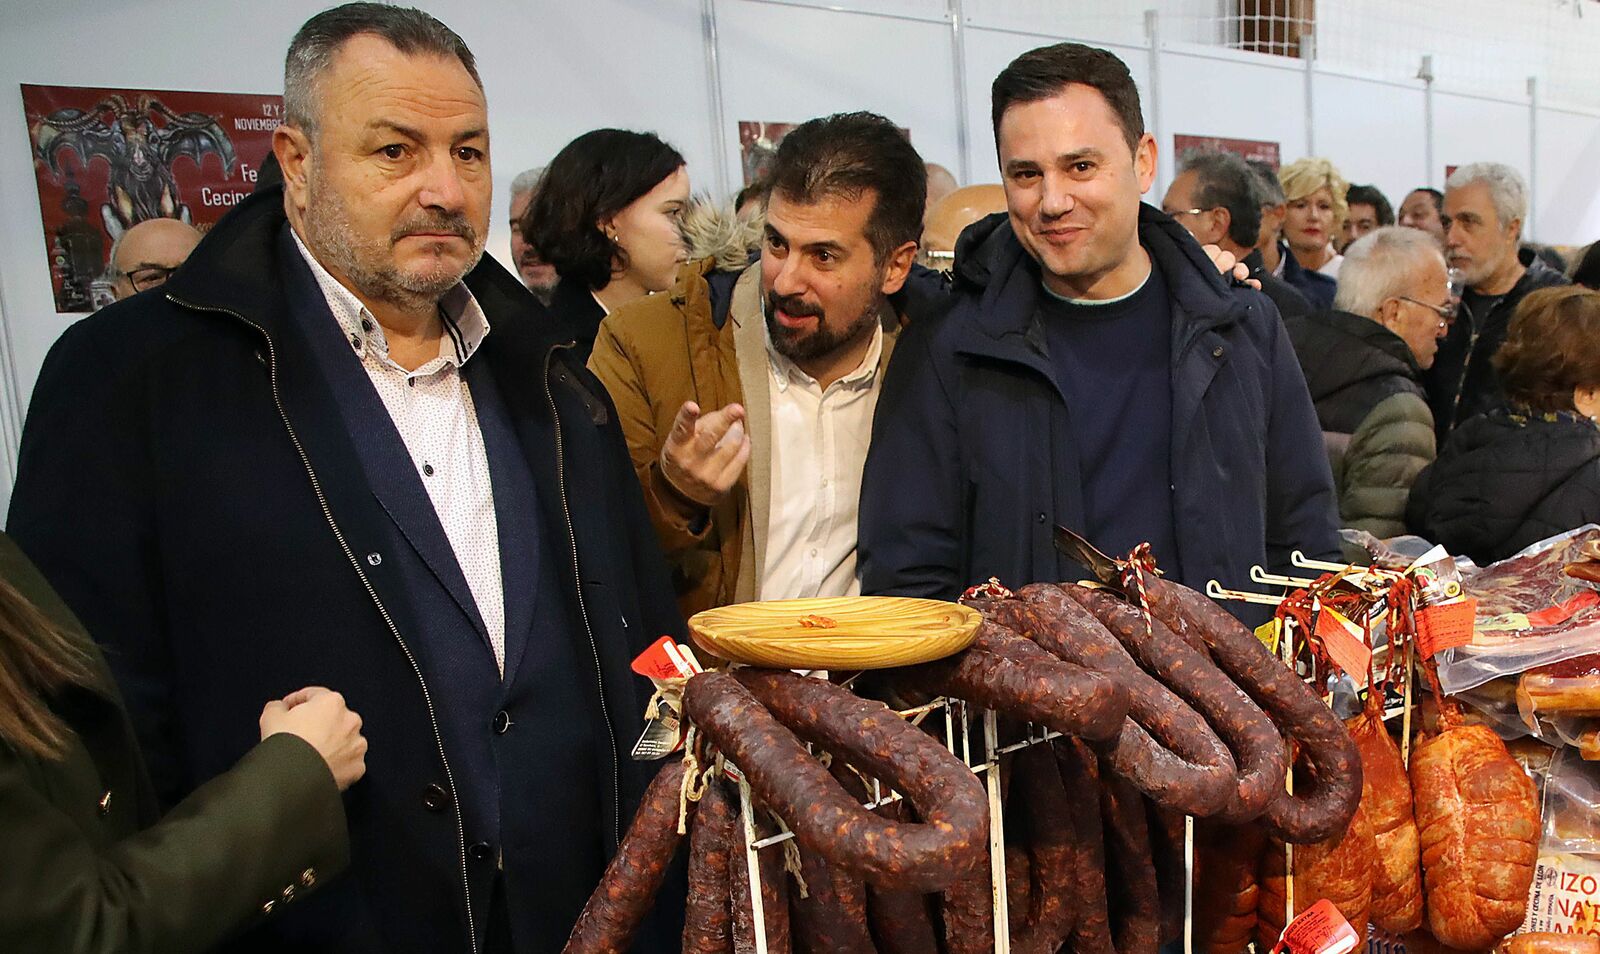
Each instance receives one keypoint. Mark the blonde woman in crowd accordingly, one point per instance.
(1315, 192)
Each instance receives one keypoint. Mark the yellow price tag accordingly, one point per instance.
(1268, 633)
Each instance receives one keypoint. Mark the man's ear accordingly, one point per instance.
(1221, 221)
(1388, 314)
(293, 148)
(1144, 162)
(898, 267)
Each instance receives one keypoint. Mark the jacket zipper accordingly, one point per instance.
(583, 610)
(327, 513)
(1466, 366)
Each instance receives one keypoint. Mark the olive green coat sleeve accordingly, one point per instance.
(249, 841)
(1392, 445)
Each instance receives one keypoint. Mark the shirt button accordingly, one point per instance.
(366, 325)
(105, 803)
(373, 559)
(481, 851)
(502, 722)
(813, 551)
(267, 908)
(427, 469)
(355, 342)
(1043, 518)
(308, 877)
(435, 798)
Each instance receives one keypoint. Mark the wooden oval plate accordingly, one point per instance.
(844, 632)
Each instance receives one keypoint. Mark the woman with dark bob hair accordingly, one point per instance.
(1530, 469)
(608, 215)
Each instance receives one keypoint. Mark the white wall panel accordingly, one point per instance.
(1217, 93)
(1374, 132)
(789, 64)
(1475, 129)
(1567, 209)
(988, 52)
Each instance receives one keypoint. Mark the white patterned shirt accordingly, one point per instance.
(432, 409)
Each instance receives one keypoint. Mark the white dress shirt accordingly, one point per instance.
(819, 446)
(432, 409)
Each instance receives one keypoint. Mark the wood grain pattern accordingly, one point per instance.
(867, 632)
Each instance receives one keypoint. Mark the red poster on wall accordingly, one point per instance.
(758, 146)
(108, 159)
(1266, 152)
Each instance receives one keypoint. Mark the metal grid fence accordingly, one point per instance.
(1484, 47)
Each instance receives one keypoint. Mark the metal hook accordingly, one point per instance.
(1299, 559)
(1216, 592)
(1259, 575)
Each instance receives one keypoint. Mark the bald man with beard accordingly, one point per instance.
(149, 252)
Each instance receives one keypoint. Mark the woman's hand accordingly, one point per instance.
(320, 717)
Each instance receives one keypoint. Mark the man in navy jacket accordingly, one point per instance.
(342, 448)
(1093, 370)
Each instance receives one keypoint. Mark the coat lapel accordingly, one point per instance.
(386, 466)
(755, 381)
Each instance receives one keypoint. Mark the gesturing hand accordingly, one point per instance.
(704, 455)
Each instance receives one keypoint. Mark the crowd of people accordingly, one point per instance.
(332, 459)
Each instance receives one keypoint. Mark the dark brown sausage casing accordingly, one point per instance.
(833, 914)
(628, 888)
(1188, 769)
(1257, 747)
(1322, 808)
(968, 911)
(707, 925)
(1044, 810)
(746, 716)
(901, 921)
(1010, 674)
(1091, 928)
(1133, 897)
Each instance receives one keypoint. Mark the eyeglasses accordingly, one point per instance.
(143, 279)
(1446, 313)
(1185, 211)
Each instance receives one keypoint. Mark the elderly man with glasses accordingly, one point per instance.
(1363, 362)
(147, 254)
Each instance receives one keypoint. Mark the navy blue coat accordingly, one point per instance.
(970, 468)
(189, 484)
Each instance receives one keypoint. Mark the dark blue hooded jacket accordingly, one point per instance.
(970, 469)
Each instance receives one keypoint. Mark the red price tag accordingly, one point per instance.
(1445, 626)
(656, 662)
(1345, 648)
(1320, 929)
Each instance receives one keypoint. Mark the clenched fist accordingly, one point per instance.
(322, 719)
(704, 455)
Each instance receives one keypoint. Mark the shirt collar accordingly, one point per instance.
(465, 324)
(786, 372)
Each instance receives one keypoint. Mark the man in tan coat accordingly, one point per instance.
(747, 396)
